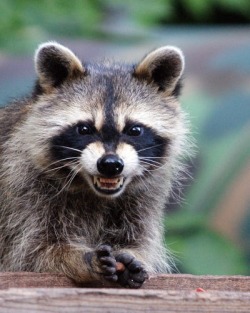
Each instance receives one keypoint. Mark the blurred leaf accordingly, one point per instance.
(23, 22)
(242, 6)
(198, 9)
(208, 253)
(182, 221)
(199, 250)
(143, 12)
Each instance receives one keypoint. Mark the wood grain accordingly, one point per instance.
(166, 282)
(78, 300)
(45, 292)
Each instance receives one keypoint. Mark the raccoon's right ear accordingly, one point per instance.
(163, 67)
(54, 64)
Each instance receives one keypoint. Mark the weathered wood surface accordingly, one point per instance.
(165, 282)
(34, 292)
(76, 300)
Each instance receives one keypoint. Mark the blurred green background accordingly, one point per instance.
(208, 222)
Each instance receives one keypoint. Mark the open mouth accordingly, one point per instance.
(108, 185)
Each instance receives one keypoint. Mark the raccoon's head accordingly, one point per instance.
(107, 125)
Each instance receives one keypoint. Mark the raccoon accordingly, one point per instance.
(87, 163)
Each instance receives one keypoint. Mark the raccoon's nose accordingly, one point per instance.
(110, 165)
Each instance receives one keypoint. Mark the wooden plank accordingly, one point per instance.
(76, 300)
(162, 282)
(187, 282)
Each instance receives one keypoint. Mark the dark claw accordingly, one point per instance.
(107, 263)
(103, 250)
(134, 284)
(140, 277)
(124, 258)
(108, 270)
(108, 260)
(113, 278)
(134, 274)
(135, 266)
(123, 278)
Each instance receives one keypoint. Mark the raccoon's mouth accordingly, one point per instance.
(108, 185)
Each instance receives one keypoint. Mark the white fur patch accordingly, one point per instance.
(130, 158)
(89, 157)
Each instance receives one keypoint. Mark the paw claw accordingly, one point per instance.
(108, 270)
(103, 250)
(134, 274)
(107, 263)
(124, 258)
(134, 284)
(107, 260)
(135, 266)
(112, 278)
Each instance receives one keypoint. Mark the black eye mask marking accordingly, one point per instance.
(145, 140)
(73, 140)
(76, 138)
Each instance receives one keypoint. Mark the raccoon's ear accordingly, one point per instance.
(163, 67)
(54, 64)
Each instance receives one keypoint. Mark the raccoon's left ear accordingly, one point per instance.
(54, 64)
(163, 67)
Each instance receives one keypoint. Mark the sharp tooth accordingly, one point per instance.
(108, 183)
(109, 180)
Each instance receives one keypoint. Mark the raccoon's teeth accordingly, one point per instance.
(108, 183)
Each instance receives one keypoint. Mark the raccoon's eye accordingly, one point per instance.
(135, 131)
(84, 130)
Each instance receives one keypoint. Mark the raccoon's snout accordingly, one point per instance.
(110, 165)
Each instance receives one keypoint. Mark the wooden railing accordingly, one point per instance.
(45, 292)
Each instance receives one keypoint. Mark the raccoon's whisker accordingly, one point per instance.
(70, 177)
(149, 158)
(142, 181)
(60, 167)
(152, 162)
(156, 166)
(62, 160)
(70, 148)
(151, 165)
(150, 147)
(50, 168)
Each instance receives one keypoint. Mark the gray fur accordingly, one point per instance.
(47, 224)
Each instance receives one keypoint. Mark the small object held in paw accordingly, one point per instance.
(120, 267)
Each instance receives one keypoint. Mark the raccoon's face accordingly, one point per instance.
(105, 125)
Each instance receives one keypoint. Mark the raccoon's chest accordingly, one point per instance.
(96, 224)
(115, 230)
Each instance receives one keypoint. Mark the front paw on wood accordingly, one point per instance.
(133, 275)
(107, 263)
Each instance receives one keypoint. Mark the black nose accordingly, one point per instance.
(110, 165)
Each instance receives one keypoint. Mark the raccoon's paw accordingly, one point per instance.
(106, 263)
(134, 274)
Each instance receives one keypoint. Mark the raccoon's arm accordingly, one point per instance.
(151, 254)
(82, 264)
(29, 241)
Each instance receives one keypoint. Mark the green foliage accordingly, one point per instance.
(24, 23)
(143, 12)
(199, 250)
